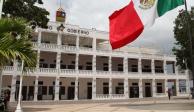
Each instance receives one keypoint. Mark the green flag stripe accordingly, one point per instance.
(166, 5)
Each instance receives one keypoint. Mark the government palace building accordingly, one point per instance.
(75, 63)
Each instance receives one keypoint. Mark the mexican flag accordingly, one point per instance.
(129, 22)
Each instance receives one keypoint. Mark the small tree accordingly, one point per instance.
(28, 10)
(182, 48)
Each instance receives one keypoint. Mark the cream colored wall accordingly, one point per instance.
(143, 85)
(83, 88)
(99, 85)
(115, 62)
(83, 59)
(67, 59)
(100, 62)
(52, 38)
(6, 81)
(132, 62)
(67, 83)
(48, 57)
(115, 84)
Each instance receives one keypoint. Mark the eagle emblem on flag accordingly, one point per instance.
(146, 4)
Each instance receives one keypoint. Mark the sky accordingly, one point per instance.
(94, 14)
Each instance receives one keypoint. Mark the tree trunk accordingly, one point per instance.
(1, 76)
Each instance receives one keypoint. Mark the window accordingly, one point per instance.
(134, 68)
(44, 90)
(89, 83)
(40, 82)
(120, 84)
(62, 90)
(120, 67)
(105, 84)
(158, 69)
(52, 65)
(88, 67)
(63, 66)
(71, 66)
(80, 67)
(182, 86)
(159, 87)
(134, 84)
(51, 90)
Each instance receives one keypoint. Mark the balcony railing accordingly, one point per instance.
(108, 96)
(8, 68)
(67, 71)
(100, 72)
(69, 48)
(47, 70)
(49, 46)
(86, 72)
(85, 48)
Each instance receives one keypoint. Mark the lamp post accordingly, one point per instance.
(1, 7)
(19, 109)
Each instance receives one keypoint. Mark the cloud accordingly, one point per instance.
(95, 13)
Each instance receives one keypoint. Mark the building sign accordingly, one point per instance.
(73, 30)
(77, 31)
(60, 15)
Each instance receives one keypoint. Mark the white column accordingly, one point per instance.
(187, 81)
(58, 61)
(153, 66)
(110, 64)
(140, 66)
(94, 64)
(13, 88)
(77, 42)
(140, 88)
(94, 44)
(176, 68)
(94, 88)
(166, 87)
(153, 88)
(110, 88)
(177, 87)
(125, 65)
(77, 63)
(36, 89)
(164, 67)
(39, 37)
(59, 38)
(38, 59)
(188, 86)
(76, 89)
(57, 88)
(126, 88)
(13, 82)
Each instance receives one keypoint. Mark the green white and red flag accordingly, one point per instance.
(129, 22)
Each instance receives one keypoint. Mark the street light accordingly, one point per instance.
(1, 7)
(60, 28)
(18, 108)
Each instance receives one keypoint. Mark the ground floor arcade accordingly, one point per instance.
(73, 88)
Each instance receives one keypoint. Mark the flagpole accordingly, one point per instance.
(191, 47)
(1, 7)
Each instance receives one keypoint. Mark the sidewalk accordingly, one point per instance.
(137, 106)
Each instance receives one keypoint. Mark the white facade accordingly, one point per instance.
(78, 63)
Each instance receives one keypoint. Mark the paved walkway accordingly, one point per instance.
(138, 106)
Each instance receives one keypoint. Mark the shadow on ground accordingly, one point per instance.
(30, 109)
(158, 106)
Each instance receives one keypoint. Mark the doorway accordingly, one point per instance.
(89, 93)
(71, 93)
(148, 90)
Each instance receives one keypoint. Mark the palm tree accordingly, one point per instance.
(15, 44)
